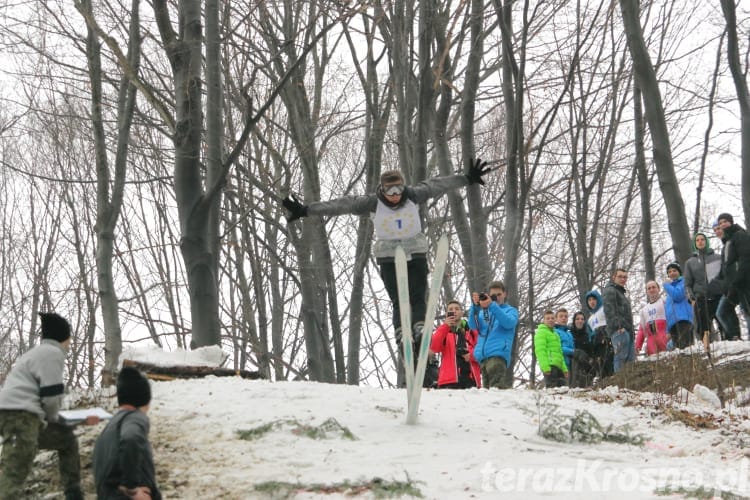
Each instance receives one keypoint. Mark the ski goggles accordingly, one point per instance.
(393, 190)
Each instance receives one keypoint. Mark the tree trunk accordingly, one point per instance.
(109, 208)
(743, 99)
(194, 210)
(376, 125)
(645, 77)
(644, 185)
(473, 239)
(512, 87)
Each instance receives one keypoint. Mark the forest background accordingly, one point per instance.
(145, 147)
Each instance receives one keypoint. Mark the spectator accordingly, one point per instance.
(123, 460)
(583, 371)
(704, 291)
(652, 328)
(619, 315)
(495, 322)
(29, 403)
(677, 308)
(455, 343)
(736, 264)
(726, 312)
(566, 337)
(549, 353)
(603, 358)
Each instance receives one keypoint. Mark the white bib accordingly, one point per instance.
(397, 224)
(653, 311)
(597, 319)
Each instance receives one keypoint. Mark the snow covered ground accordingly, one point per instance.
(466, 444)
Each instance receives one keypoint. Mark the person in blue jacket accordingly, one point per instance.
(566, 336)
(677, 308)
(496, 323)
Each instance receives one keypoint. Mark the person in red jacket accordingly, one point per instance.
(652, 328)
(455, 342)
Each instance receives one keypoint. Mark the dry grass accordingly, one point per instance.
(667, 375)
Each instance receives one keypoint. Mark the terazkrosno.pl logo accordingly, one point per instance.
(594, 476)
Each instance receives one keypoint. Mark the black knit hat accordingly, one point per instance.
(676, 266)
(132, 388)
(727, 217)
(54, 327)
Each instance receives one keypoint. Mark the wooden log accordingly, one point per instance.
(174, 372)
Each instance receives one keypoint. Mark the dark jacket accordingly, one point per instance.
(617, 308)
(736, 269)
(123, 456)
(582, 339)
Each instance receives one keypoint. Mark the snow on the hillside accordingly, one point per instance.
(466, 444)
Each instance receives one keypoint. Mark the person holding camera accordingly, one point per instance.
(495, 322)
(455, 343)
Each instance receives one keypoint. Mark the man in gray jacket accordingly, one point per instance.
(702, 284)
(619, 314)
(29, 404)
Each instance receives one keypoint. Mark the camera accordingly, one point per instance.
(483, 296)
(450, 314)
(493, 297)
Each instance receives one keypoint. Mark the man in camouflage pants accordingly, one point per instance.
(29, 404)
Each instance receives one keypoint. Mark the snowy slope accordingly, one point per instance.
(467, 444)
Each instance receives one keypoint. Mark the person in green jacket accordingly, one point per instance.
(549, 353)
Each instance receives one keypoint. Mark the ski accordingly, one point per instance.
(402, 281)
(415, 393)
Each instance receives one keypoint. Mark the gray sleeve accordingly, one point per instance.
(357, 205)
(436, 187)
(133, 450)
(51, 387)
(688, 277)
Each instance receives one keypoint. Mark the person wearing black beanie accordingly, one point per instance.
(133, 388)
(54, 327)
(735, 266)
(29, 403)
(727, 217)
(123, 459)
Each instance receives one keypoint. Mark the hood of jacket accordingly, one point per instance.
(597, 296)
(707, 250)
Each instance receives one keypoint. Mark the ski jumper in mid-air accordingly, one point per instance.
(394, 209)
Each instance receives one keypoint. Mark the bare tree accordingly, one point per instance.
(743, 97)
(645, 76)
(110, 185)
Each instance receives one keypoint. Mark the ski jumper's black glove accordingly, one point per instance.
(296, 209)
(477, 168)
